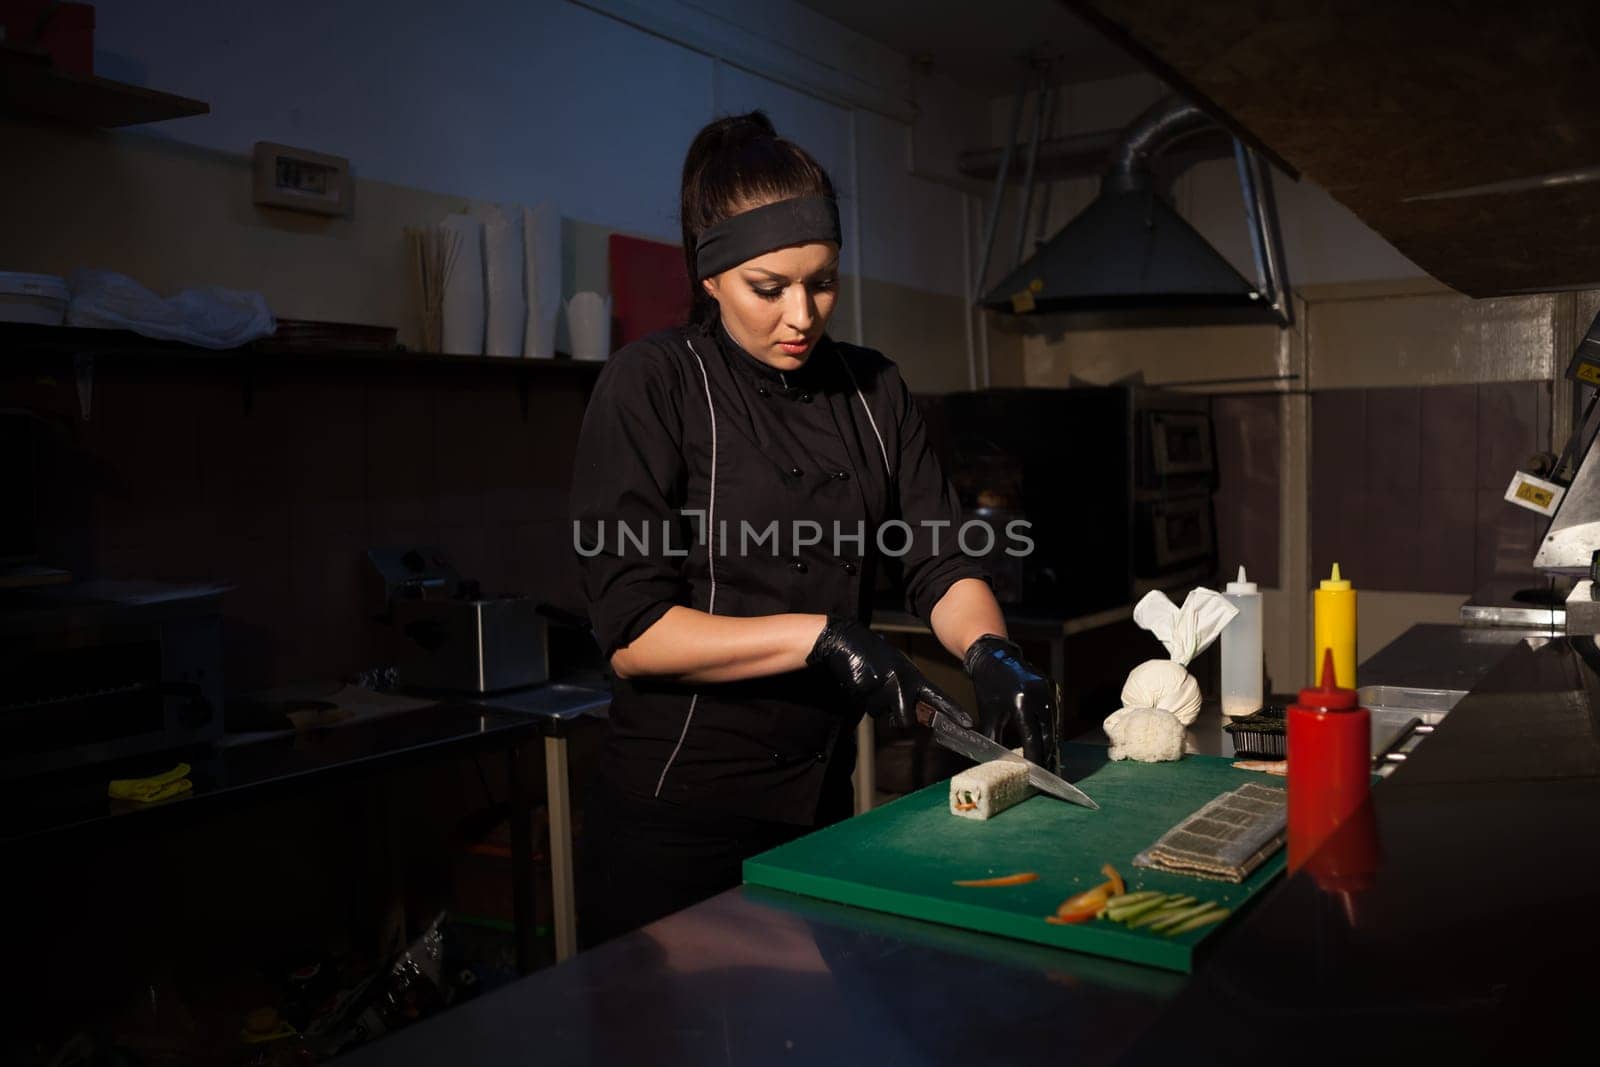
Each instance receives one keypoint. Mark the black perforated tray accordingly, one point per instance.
(1262, 734)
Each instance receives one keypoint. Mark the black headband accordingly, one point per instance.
(776, 225)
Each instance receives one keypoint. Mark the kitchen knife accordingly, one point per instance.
(976, 747)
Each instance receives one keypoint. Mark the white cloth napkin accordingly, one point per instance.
(1161, 697)
(1186, 631)
(1161, 683)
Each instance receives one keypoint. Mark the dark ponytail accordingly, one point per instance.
(735, 164)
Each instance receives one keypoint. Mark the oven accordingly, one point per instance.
(1179, 444)
(1115, 482)
(1175, 530)
(105, 670)
(1175, 533)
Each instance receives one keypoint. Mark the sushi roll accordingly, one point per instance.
(988, 789)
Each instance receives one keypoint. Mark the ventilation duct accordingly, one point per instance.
(1129, 253)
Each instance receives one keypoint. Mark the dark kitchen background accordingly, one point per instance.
(340, 814)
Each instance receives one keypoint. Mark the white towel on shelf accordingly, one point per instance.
(210, 317)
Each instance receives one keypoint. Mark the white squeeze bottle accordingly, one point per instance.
(1241, 650)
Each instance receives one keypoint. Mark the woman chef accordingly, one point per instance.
(738, 483)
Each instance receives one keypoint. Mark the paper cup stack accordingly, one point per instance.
(589, 323)
(494, 285)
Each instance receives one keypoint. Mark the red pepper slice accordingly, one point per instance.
(1085, 905)
(1091, 902)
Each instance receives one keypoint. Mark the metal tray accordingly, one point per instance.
(1429, 705)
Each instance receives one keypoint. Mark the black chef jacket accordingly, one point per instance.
(762, 462)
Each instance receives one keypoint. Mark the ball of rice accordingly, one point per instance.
(1149, 735)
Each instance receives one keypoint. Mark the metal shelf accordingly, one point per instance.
(30, 353)
(31, 87)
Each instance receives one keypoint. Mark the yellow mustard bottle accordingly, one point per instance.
(1334, 626)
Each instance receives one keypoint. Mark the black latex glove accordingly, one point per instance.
(1010, 689)
(878, 677)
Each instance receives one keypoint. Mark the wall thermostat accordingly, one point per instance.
(1535, 493)
(301, 180)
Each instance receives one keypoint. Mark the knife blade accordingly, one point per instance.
(975, 746)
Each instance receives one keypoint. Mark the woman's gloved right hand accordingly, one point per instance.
(878, 677)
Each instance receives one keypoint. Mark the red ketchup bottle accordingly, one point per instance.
(1330, 763)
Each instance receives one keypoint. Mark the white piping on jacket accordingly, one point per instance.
(711, 557)
(882, 451)
(711, 523)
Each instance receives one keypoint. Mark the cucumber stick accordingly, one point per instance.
(1181, 916)
(1203, 919)
(1133, 911)
(1168, 907)
(1164, 913)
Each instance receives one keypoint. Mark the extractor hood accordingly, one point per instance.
(1467, 135)
(1129, 253)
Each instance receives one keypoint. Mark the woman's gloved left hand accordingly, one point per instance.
(1010, 689)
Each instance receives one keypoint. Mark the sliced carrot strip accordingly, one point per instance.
(1090, 900)
(966, 807)
(1010, 879)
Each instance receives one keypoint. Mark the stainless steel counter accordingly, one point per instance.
(1441, 656)
(1206, 736)
(1432, 946)
(759, 977)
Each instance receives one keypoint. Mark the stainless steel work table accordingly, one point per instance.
(556, 707)
(66, 814)
(74, 803)
(1473, 942)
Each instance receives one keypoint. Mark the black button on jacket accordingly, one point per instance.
(706, 478)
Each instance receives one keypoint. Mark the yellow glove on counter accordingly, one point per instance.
(157, 787)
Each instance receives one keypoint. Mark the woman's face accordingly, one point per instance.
(777, 305)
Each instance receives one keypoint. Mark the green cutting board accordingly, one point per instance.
(903, 857)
